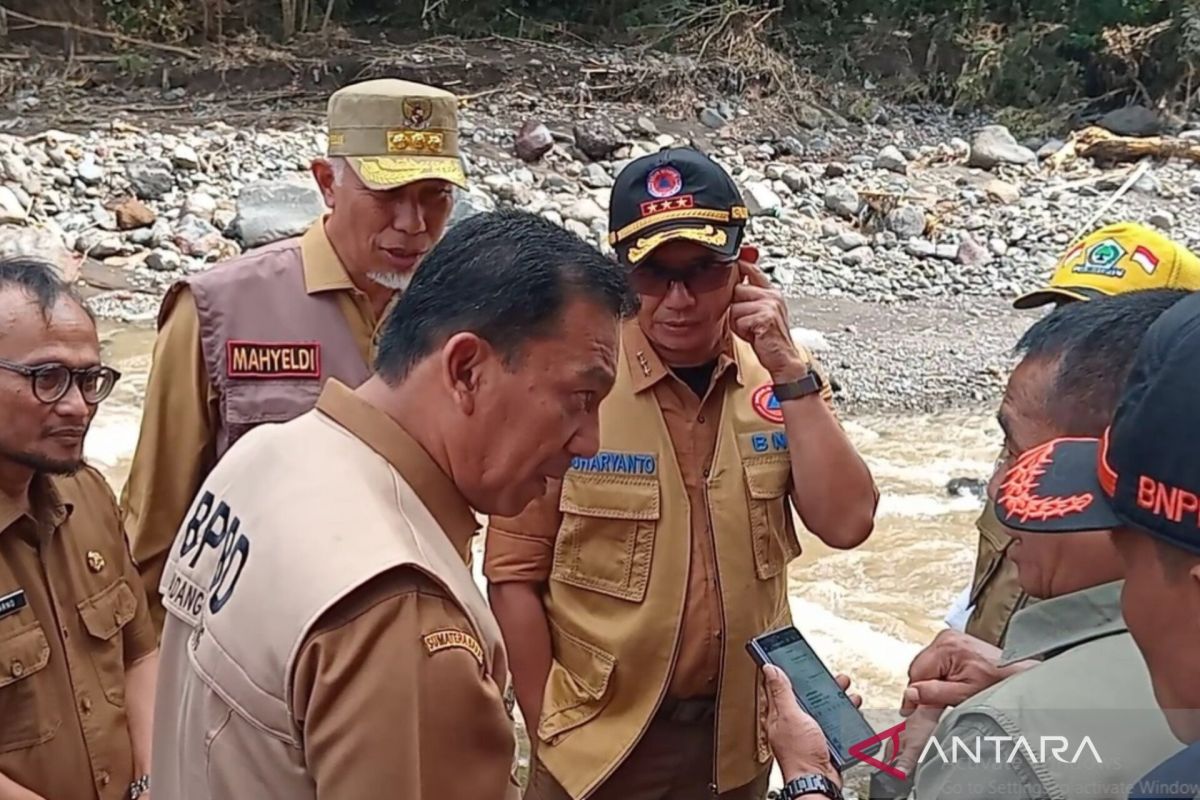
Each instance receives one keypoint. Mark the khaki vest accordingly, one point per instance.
(268, 344)
(251, 570)
(1099, 690)
(620, 574)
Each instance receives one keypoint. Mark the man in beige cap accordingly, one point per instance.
(254, 339)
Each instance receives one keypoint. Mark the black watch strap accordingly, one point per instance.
(809, 384)
(808, 785)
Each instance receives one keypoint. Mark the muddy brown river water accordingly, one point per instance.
(866, 611)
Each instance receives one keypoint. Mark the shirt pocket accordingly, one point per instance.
(105, 614)
(772, 532)
(27, 717)
(606, 541)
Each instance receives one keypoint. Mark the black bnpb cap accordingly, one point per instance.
(678, 193)
(1145, 471)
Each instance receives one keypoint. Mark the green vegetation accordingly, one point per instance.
(1007, 53)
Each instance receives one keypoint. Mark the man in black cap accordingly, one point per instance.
(627, 594)
(1141, 479)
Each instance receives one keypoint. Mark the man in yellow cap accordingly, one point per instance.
(254, 339)
(1124, 257)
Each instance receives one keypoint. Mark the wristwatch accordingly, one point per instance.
(139, 787)
(809, 384)
(809, 785)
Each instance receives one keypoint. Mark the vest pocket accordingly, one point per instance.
(772, 532)
(104, 614)
(993, 541)
(606, 541)
(577, 688)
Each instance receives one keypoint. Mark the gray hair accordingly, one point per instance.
(339, 165)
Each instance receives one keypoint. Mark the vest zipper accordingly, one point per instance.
(712, 535)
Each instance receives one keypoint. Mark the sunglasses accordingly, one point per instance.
(51, 382)
(707, 276)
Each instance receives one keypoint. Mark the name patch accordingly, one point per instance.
(272, 359)
(616, 463)
(451, 639)
(12, 602)
(765, 442)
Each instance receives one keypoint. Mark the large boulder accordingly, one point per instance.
(272, 210)
(994, 145)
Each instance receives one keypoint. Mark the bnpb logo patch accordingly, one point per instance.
(664, 182)
(766, 405)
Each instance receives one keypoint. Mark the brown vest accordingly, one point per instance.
(619, 580)
(268, 344)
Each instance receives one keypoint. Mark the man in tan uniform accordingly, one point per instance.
(324, 635)
(627, 595)
(254, 339)
(1117, 258)
(77, 650)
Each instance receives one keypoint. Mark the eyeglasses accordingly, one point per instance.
(708, 276)
(51, 382)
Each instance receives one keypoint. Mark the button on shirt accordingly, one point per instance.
(65, 652)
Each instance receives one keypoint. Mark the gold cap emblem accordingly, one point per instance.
(417, 111)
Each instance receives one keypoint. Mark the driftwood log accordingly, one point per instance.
(1107, 149)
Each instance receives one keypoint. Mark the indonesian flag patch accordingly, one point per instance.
(1145, 259)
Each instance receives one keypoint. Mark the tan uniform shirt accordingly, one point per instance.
(176, 446)
(521, 548)
(73, 618)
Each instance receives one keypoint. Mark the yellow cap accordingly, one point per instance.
(395, 132)
(1124, 257)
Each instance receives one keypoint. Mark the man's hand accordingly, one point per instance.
(796, 739)
(954, 667)
(759, 315)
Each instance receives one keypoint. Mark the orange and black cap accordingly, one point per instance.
(675, 194)
(1144, 472)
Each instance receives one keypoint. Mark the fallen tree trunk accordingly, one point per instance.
(1107, 149)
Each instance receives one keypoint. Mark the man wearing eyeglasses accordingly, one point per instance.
(77, 647)
(628, 592)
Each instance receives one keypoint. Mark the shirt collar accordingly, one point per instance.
(1177, 777)
(1051, 626)
(48, 506)
(646, 368)
(323, 270)
(387, 438)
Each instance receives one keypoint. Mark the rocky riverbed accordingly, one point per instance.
(900, 238)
